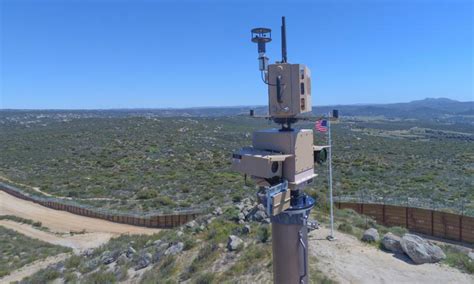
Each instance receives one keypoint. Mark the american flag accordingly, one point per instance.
(321, 125)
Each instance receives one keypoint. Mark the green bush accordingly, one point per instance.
(263, 233)
(205, 278)
(458, 260)
(100, 277)
(346, 228)
(147, 194)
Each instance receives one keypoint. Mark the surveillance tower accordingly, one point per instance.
(281, 160)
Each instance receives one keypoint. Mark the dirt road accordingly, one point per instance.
(77, 242)
(347, 260)
(62, 221)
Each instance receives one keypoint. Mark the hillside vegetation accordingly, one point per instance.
(141, 161)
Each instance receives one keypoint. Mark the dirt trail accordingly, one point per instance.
(347, 260)
(62, 221)
(33, 267)
(78, 242)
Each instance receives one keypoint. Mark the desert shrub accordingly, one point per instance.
(346, 228)
(100, 277)
(219, 230)
(231, 213)
(42, 276)
(236, 198)
(399, 231)
(458, 259)
(205, 255)
(189, 243)
(263, 233)
(164, 200)
(146, 194)
(205, 278)
(73, 262)
(17, 250)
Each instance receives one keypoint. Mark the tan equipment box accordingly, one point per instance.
(258, 163)
(298, 144)
(289, 90)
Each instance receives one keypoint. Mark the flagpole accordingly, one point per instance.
(331, 237)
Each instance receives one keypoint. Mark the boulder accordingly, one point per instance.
(92, 264)
(106, 257)
(217, 211)
(246, 229)
(144, 261)
(130, 251)
(122, 259)
(421, 251)
(88, 252)
(191, 224)
(175, 249)
(234, 243)
(312, 225)
(391, 243)
(371, 235)
(260, 215)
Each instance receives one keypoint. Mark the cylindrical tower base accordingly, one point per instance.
(290, 246)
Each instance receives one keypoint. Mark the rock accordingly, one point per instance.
(371, 235)
(239, 206)
(130, 251)
(191, 224)
(391, 243)
(260, 207)
(106, 257)
(179, 233)
(241, 222)
(157, 243)
(175, 249)
(217, 211)
(259, 216)
(421, 251)
(144, 261)
(202, 228)
(92, 264)
(266, 221)
(471, 255)
(88, 252)
(122, 259)
(234, 243)
(246, 229)
(162, 246)
(312, 225)
(209, 221)
(241, 216)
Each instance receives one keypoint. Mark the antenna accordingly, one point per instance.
(283, 41)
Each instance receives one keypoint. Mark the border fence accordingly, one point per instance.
(150, 219)
(425, 221)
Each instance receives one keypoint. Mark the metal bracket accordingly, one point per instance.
(272, 191)
(305, 265)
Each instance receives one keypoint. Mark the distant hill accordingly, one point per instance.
(429, 108)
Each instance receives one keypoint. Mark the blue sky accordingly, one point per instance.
(134, 54)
